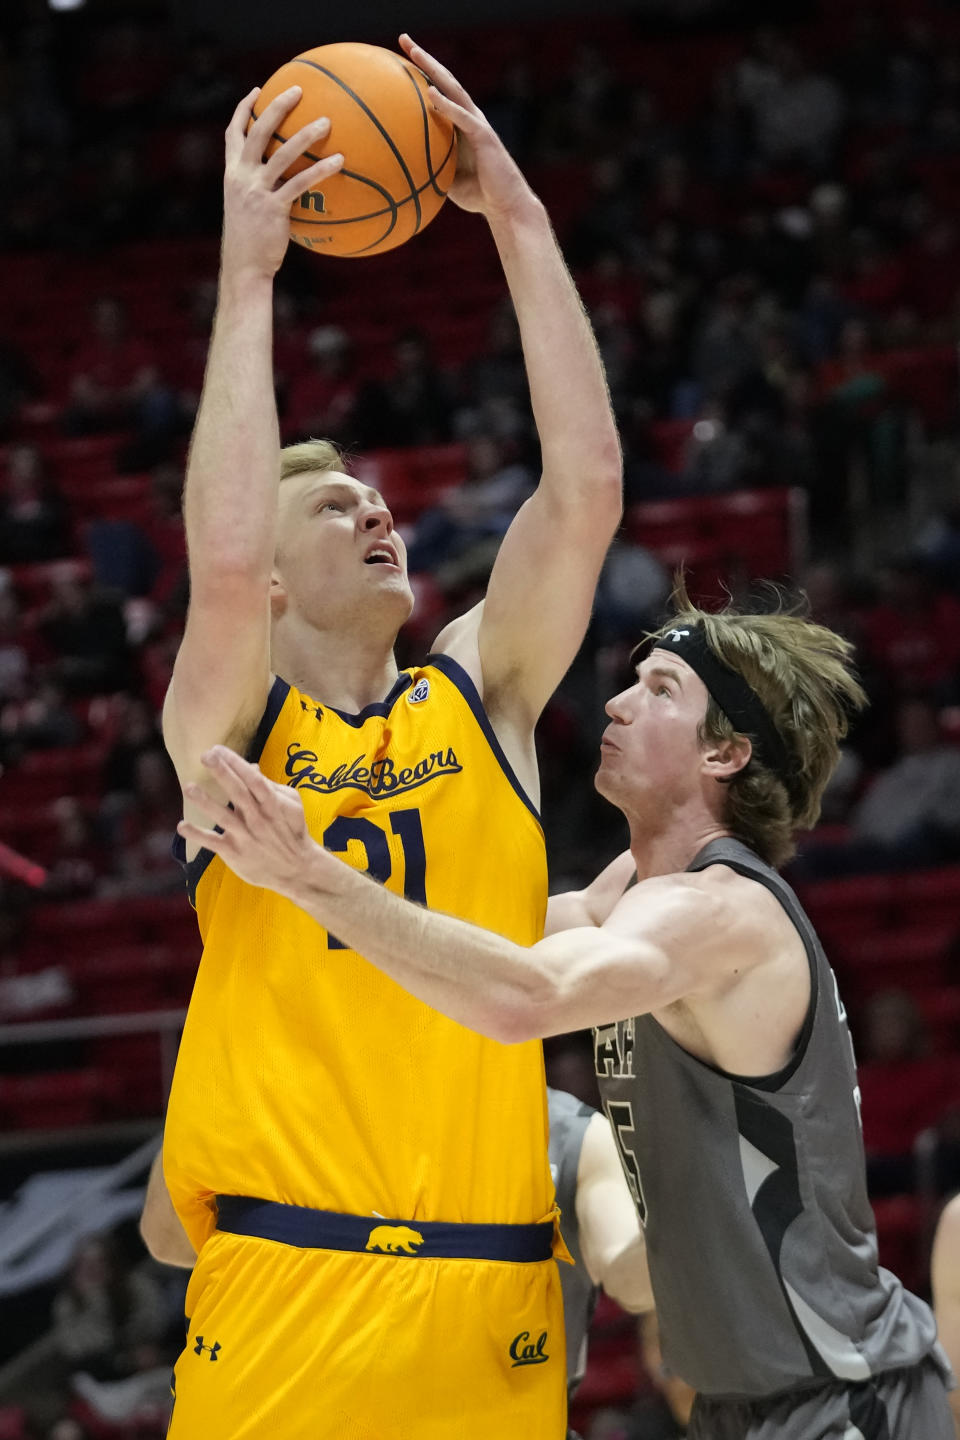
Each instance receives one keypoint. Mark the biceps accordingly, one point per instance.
(221, 677)
(539, 598)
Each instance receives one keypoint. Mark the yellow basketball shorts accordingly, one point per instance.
(292, 1343)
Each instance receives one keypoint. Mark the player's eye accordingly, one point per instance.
(331, 505)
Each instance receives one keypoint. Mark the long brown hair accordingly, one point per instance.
(802, 673)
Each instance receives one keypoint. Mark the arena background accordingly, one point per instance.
(762, 221)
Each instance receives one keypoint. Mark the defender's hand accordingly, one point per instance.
(488, 180)
(264, 836)
(256, 198)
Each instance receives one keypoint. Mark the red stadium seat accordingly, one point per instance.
(56, 1100)
(899, 1237)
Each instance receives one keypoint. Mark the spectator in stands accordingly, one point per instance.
(412, 405)
(912, 810)
(42, 720)
(798, 116)
(122, 555)
(17, 380)
(116, 382)
(910, 814)
(135, 730)
(193, 203)
(459, 538)
(202, 88)
(106, 1313)
(858, 420)
(33, 521)
(494, 384)
(14, 660)
(903, 1088)
(85, 630)
(77, 858)
(912, 635)
(323, 398)
(715, 457)
(140, 826)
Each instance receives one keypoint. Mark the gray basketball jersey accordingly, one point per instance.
(752, 1193)
(569, 1119)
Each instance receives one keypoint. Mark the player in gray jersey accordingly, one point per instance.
(599, 1221)
(732, 1088)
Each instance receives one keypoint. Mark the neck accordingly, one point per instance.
(345, 670)
(666, 845)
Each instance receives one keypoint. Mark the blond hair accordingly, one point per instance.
(310, 455)
(802, 675)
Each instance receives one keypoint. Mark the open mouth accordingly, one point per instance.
(380, 555)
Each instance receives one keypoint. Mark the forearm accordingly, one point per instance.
(230, 498)
(626, 1278)
(480, 979)
(568, 388)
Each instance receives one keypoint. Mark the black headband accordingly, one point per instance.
(741, 705)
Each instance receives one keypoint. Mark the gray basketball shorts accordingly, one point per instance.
(908, 1404)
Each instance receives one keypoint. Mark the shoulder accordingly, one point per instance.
(715, 925)
(701, 898)
(459, 641)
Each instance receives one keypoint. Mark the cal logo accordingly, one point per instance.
(394, 1240)
(525, 1351)
(420, 692)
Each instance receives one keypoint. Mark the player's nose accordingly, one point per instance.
(616, 707)
(375, 517)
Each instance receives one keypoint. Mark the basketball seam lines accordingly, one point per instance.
(374, 214)
(393, 206)
(431, 173)
(300, 60)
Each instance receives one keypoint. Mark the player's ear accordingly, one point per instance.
(278, 596)
(723, 759)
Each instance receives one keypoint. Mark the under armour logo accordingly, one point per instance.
(676, 635)
(213, 1349)
(524, 1352)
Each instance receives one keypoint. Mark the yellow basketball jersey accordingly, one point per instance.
(305, 1075)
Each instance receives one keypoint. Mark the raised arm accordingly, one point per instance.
(222, 672)
(541, 589)
(611, 1239)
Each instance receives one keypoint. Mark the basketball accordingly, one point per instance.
(400, 156)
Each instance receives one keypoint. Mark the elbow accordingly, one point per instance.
(517, 1018)
(160, 1242)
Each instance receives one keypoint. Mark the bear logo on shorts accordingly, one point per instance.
(394, 1240)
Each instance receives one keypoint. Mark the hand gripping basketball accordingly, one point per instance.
(488, 179)
(256, 198)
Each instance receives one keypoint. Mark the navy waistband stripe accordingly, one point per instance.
(433, 1239)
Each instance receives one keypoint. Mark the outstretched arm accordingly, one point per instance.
(541, 589)
(666, 939)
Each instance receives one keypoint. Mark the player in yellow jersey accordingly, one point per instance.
(366, 1182)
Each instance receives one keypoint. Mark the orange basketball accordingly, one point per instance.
(399, 155)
